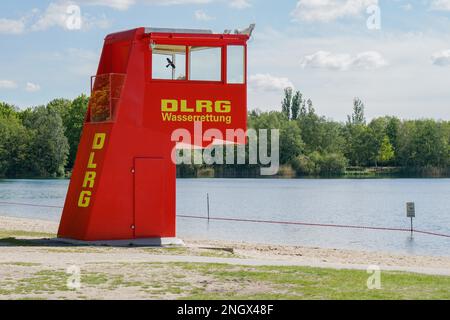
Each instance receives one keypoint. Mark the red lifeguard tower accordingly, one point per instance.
(149, 82)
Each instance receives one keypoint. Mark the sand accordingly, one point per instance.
(212, 251)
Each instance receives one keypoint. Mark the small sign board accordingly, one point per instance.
(410, 210)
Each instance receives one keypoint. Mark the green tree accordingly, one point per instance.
(291, 143)
(7, 110)
(73, 123)
(386, 152)
(286, 103)
(357, 117)
(14, 145)
(423, 143)
(61, 106)
(47, 154)
(296, 104)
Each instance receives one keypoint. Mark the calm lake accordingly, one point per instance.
(368, 202)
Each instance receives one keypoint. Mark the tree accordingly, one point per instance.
(386, 152)
(48, 150)
(357, 118)
(291, 143)
(14, 144)
(286, 103)
(423, 143)
(73, 123)
(72, 114)
(7, 110)
(296, 104)
(61, 106)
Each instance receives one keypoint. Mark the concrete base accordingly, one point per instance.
(145, 242)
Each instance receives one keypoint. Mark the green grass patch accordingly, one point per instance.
(13, 237)
(21, 264)
(317, 283)
(223, 281)
(20, 233)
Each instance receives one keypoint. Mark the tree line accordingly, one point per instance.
(42, 141)
(314, 145)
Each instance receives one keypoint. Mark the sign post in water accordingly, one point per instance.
(411, 213)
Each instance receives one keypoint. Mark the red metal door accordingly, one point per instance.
(149, 187)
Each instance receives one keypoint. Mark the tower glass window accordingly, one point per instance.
(169, 62)
(205, 63)
(236, 64)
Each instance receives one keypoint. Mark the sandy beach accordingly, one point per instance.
(239, 252)
(33, 266)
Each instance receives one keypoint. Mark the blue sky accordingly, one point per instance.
(393, 54)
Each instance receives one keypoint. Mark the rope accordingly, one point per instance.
(317, 225)
(307, 224)
(29, 205)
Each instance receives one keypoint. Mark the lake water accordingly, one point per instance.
(368, 202)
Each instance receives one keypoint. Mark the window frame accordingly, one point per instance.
(150, 63)
(244, 64)
(197, 43)
(222, 62)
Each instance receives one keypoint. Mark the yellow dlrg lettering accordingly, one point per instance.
(91, 164)
(222, 106)
(184, 107)
(89, 178)
(84, 199)
(99, 141)
(204, 105)
(169, 105)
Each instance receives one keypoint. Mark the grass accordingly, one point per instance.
(20, 233)
(316, 283)
(10, 237)
(21, 264)
(222, 281)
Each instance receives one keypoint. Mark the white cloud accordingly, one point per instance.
(202, 16)
(7, 84)
(327, 60)
(32, 87)
(240, 4)
(329, 10)
(443, 5)
(8, 26)
(115, 4)
(409, 83)
(441, 58)
(369, 60)
(267, 82)
(54, 15)
(126, 4)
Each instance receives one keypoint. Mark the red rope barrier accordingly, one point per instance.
(307, 224)
(29, 205)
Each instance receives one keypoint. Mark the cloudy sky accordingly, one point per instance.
(393, 54)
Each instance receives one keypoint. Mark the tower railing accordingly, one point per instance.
(106, 90)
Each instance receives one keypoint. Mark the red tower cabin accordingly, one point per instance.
(149, 82)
